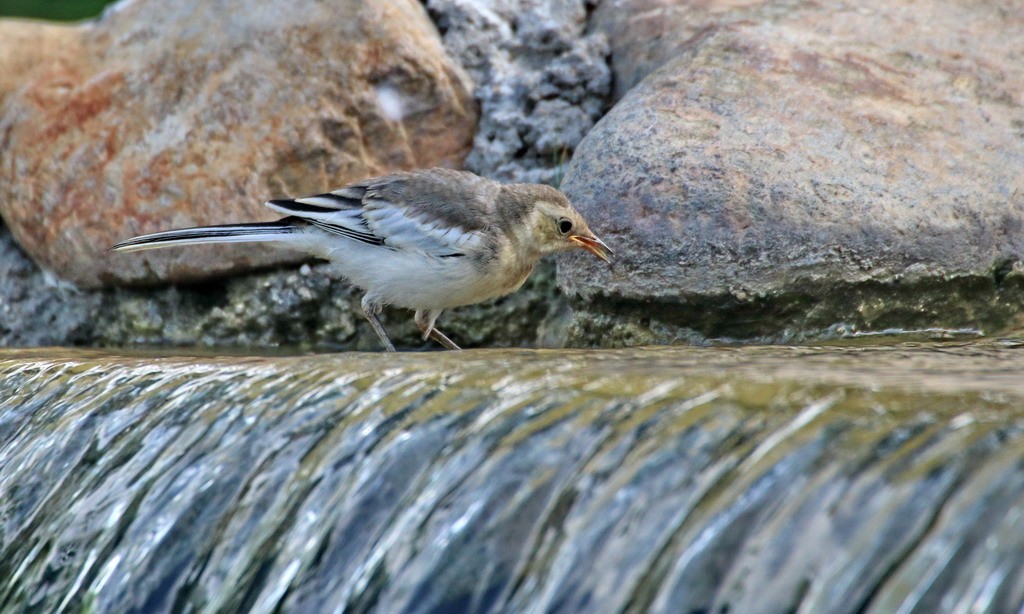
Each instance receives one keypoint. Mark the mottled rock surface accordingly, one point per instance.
(36, 308)
(542, 81)
(845, 170)
(194, 113)
(310, 308)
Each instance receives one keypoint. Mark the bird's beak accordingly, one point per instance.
(593, 245)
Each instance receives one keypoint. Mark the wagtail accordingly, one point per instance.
(424, 240)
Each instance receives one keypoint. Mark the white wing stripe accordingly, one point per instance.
(321, 201)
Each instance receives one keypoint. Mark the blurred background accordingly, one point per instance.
(60, 10)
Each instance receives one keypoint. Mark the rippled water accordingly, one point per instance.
(829, 479)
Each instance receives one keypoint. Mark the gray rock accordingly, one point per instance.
(313, 309)
(542, 82)
(780, 181)
(645, 34)
(38, 309)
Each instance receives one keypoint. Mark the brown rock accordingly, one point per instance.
(25, 44)
(191, 113)
(856, 165)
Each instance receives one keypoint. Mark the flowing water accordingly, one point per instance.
(829, 479)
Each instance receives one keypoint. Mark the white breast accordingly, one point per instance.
(412, 278)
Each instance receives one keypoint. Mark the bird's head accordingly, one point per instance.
(553, 224)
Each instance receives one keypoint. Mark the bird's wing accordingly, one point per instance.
(442, 213)
(339, 212)
(435, 210)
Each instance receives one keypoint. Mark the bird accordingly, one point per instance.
(424, 240)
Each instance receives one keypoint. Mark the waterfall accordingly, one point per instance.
(833, 479)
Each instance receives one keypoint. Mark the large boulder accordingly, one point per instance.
(190, 113)
(835, 169)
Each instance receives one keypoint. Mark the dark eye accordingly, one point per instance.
(564, 226)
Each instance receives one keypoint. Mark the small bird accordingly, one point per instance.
(425, 240)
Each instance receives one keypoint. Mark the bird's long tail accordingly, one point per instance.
(281, 231)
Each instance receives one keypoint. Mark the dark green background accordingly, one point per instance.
(52, 9)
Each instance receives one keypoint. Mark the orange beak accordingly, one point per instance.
(593, 245)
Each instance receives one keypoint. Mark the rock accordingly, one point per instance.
(846, 170)
(195, 113)
(25, 44)
(37, 309)
(541, 80)
(312, 310)
(644, 34)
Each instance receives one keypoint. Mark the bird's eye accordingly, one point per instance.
(564, 226)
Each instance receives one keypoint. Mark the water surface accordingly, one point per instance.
(843, 478)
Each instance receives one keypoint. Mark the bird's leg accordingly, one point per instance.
(440, 337)
(370, 310)
(425, 321)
